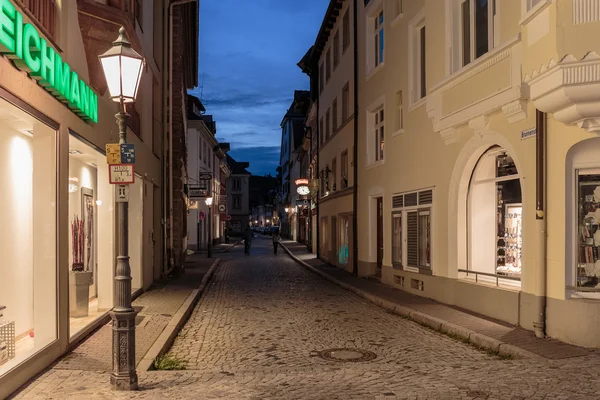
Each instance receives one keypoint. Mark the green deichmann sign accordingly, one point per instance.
(31, 53)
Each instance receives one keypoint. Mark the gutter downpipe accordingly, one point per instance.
(355, 150)
(318, 138)
(539, 324)
(170, 111)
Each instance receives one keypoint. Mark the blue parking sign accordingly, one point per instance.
(127, 153)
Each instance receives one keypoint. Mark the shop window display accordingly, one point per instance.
(588, 220)
(92, 235)
(495, 216)
(28, 305)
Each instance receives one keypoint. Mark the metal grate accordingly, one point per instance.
(410, 199)
(398, 201)
(426, 197)
(412, 239)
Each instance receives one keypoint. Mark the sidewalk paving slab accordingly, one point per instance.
(157, 308)
(482, 331)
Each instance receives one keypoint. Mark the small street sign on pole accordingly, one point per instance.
(122, 193)
(196, 193)
(120, 153)
(121, 174)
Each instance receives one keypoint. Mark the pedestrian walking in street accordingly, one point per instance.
(276, 239)
(247, 240)
(226, 236)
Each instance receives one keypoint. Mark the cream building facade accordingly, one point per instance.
(469, 195)
(334, 55)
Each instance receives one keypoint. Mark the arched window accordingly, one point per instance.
(495, 218)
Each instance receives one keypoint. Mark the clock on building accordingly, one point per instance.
(303, 190)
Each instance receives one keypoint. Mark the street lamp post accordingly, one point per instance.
(123, 69)
(209, 201)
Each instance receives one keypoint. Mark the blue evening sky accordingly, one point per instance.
(247, 65)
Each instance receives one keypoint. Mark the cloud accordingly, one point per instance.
(248, 72)
(263, 159)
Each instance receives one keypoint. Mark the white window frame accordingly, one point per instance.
(397, 11)
(492, 33)
(420, 209)
(399, 114)
(414, 70)
(379, 133)
(378, 105)
(374, 9)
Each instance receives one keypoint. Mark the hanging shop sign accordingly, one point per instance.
(205, 176)
(121, 174)
(301, 182)
(120, 153)
(528, 133)
(22, 43)
(197, 192)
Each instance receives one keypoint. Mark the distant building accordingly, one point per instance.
(205, 156)
(292, 132)
(238, 196)
(263, 193)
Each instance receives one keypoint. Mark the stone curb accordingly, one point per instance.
(167, 337)
(448, 328)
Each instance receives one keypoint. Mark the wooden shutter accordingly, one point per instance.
(398, 201)
(426, 197)
(412, 238)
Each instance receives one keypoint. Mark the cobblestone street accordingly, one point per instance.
(257, 331)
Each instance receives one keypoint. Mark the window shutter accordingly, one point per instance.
(412, 238)
(410, 199)
(398, 201)
(426, 197)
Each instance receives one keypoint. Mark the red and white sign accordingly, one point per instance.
(228, 218)
(301, 182)
(201, 215)
(121, 174)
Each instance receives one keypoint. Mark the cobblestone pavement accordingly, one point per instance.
(256, 332)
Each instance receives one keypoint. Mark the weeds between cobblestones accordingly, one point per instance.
(169, 363)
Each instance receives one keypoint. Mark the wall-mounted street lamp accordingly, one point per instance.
(209, 201)
(122, 68)
(287, 209)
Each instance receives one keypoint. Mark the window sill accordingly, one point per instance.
(529, 15)
(417, 104)
(373, 71)
(398, 132)
(376, 164)
(396, 20)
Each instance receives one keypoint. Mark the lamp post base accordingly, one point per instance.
(124, 375)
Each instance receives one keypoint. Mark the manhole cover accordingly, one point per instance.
(347, 355)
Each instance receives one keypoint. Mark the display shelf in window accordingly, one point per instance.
(588, 220)
(510, 241)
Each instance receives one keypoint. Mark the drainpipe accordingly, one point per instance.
(539, 324)
(318, 156)
(355, 150)
(170, 136)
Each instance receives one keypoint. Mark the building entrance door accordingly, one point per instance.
(334, 243)
(379, 235)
